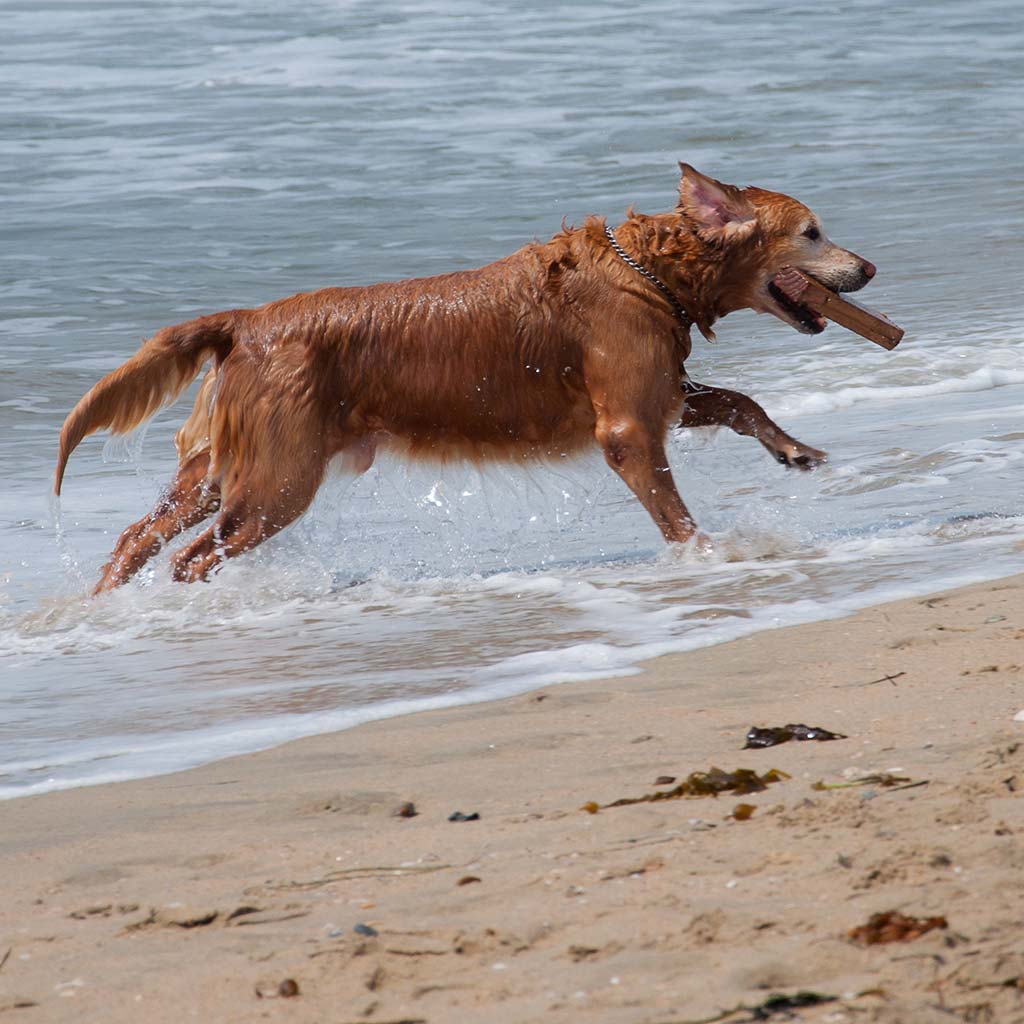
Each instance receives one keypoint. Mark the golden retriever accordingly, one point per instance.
(563, 344)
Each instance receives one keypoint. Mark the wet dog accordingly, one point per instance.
(562, 345)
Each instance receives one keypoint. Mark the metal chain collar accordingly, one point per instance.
(677, 306)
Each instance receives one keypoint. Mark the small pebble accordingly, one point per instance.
(288, 989)
(459, 816)
(405, 810)
(467, 880)
(664, 780)
(364, 929)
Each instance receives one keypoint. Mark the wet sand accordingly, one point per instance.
(282, 886)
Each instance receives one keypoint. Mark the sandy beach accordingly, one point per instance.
(284, 886)
(166, 161)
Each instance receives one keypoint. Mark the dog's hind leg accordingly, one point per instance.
(717, 407)
(190, 498)
(254, 507)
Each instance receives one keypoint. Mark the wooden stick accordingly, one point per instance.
(876, 327)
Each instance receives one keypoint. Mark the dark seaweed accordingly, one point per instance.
(709, 783)
(773, 1006)
(773, 735)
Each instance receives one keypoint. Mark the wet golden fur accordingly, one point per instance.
(550, 350)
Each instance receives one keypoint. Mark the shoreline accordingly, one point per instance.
(198, 893)
(619, 663)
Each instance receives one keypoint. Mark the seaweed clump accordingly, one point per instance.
(699, 784)
(771, 736)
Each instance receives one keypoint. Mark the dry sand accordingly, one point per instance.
(196, 895)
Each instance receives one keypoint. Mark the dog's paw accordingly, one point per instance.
(799, 456)
(703, 544)
(697, 547)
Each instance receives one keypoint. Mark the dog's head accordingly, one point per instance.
(759, 233)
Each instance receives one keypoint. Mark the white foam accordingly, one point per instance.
(984, 378)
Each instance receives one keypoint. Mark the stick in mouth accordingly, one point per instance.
(804, 291)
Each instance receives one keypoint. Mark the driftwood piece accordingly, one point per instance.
(815, 296)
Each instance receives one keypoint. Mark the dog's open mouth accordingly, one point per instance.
(803, 318)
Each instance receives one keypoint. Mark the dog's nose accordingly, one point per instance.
(869, 270)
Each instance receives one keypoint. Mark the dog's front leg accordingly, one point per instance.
(638, 456)
(718, 407)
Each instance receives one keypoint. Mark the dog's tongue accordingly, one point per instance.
(793, 284)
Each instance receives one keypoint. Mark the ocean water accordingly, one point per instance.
(160, 160)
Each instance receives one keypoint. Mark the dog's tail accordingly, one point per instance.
(151, 379)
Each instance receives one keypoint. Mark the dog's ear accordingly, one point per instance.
(718, 212)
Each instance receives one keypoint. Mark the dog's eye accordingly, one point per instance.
(812, 233)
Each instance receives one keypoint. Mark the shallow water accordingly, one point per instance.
(162, 160)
